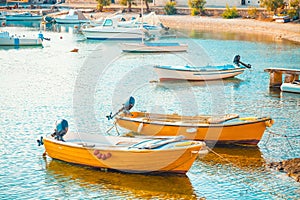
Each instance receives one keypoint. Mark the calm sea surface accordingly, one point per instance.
(40, 85)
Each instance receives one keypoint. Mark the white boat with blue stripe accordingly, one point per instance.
(202, 73)
(293, 87)
(14, 40)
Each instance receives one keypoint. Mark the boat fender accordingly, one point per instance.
(140, 127)
(269, 123)
(61, 129)
(102, 156)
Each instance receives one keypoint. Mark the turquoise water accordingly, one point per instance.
(40, 85)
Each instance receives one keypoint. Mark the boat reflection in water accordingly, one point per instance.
(139, 185)
(243, 157)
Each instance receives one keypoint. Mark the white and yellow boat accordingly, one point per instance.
(212, 129)
(127, 154)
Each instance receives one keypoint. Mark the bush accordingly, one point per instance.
(170, 8)
(252, 12)
(195, 12)
(197, 6)
(230, 13)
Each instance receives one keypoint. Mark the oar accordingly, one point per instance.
(237, 61)
(126, 107)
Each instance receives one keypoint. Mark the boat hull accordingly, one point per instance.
(20, 42)
(132, 160)
(70, 21)
(290, 87)
(242, 132)
(153, 48)
(113, 35)
(169, 73)
(22, 18)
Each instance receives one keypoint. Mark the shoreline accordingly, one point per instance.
(284, 31)
(278, 31)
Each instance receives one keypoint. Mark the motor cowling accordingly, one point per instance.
(61, 128)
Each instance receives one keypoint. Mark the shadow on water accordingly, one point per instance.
(140, 185)
(243, 157)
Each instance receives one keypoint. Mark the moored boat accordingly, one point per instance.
(13, 40)
(293, 87)
(212, 129)
(73, 17)
(127, 154)
(26, 16)
(202, 73)
(153, 47)
(110, 30)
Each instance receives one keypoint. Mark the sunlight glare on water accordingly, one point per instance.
(40, 85)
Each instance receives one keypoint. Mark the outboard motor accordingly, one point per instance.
(126, 107)
(236, 60)
(61, 129)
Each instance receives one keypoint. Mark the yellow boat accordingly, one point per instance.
(212, 129)
(127, 154)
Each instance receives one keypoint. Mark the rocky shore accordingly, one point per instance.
(291, 167)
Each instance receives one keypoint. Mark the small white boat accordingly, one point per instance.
(153, 47)
(13, 40)
(110, 30)
(291, 87)
(26, 16)
(201, 73)
(282, 19)
(73, 17)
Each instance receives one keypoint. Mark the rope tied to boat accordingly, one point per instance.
(281, 135)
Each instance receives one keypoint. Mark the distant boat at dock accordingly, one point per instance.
(26, 16)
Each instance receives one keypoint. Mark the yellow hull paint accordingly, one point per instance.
(128, 160)
(244, 132)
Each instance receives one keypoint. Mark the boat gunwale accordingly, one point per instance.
(195, 144)
(197, 69)
(202, 125)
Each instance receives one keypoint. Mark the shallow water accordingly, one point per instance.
(40, 85)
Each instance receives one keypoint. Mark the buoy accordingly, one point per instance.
(60, 37)
(74, 50)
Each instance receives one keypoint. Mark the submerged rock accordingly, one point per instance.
(291, 167)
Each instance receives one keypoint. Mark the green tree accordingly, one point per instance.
(198, 6)
(127, 2)
(170, 8)
(230, 12)
(102, 3)
(272, 5)
(147, 5)
(295, 8)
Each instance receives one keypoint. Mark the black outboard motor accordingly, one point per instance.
(60, 130)
(236, 60)
(126, 107)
